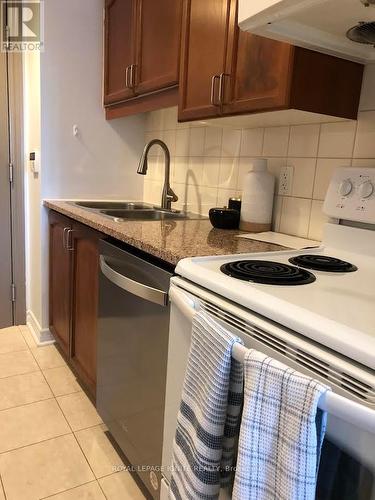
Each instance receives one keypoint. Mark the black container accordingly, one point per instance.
(224, 218)
(235, 203)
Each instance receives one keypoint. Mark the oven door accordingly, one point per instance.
(347, 466)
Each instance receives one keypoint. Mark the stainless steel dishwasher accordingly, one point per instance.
(132, 357)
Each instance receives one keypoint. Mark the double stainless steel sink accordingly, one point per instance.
(129, 210)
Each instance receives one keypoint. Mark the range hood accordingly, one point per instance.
(328, 26)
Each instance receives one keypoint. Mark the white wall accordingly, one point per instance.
(31, 71)
(102, 161)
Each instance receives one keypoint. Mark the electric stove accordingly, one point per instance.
(326, 293)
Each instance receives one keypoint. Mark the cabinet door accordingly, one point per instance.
(85, 298)
(60, 280)
(204, 46)
(258, 72)
(119, 52)
(158, 44)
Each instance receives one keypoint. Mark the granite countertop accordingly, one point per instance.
(169, 240)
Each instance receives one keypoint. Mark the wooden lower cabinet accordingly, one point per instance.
(60, 282)
(85, 303)
(74, 262)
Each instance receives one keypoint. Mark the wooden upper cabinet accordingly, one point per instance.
(204, 49)
(251, 74)
(60, 280)
(142, 55)
(120, 50)
(158, 44)
(257, 74)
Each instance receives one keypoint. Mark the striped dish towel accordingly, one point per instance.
(208, 420)
(281, 434)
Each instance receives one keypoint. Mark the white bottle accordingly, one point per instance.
(257, 198)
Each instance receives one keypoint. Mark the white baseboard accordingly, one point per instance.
(42, 336)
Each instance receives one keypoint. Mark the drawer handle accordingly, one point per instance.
(134, 287)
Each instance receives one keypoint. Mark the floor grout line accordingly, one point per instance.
(71, 431)
(2, 487)
(67, 422)
(33, 444)
(19, 374)
(80, 447)
(50, 398)
(69, 489)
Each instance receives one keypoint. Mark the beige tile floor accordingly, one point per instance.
(52, 441)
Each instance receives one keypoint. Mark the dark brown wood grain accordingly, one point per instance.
(325, 84)
(259, 74)
(59, 281)
(85, 269)
(142, 104)
(144, 34)
(203, 55)
(73, 294)
(158, 44)
(119, 48)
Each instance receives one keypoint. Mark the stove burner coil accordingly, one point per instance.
(267, 272)
(323, 263)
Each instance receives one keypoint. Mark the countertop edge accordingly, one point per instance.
(155, 242)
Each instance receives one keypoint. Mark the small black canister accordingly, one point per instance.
(235, 204)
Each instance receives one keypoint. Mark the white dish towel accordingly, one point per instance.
(208, 420)
(281, 434)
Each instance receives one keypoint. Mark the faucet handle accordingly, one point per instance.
(171, 195)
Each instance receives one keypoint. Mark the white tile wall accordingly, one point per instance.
(209, 163)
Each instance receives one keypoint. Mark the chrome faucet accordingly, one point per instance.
(168, 195)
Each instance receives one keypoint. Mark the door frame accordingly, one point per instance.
(15, 93)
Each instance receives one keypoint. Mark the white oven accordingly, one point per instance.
(347, 467)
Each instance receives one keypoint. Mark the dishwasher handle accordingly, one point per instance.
(134, 287)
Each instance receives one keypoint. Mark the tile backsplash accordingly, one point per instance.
(208, 163)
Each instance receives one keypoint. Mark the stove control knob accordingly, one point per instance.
(345, 188)
(366, 189)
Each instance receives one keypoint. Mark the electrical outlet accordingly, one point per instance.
(286, 181)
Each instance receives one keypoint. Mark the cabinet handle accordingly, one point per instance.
(65, 245)
(221, 87)
(132, 75)
(69, 241)
(213, 82)
(127, 77)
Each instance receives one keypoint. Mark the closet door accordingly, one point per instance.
(6, 314)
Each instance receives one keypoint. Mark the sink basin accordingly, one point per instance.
(114, 205)
(134, 210)
(152, 214)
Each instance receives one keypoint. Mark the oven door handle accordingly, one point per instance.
(334, 404)
(134, 287)
(354, 413)
(186, 304)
